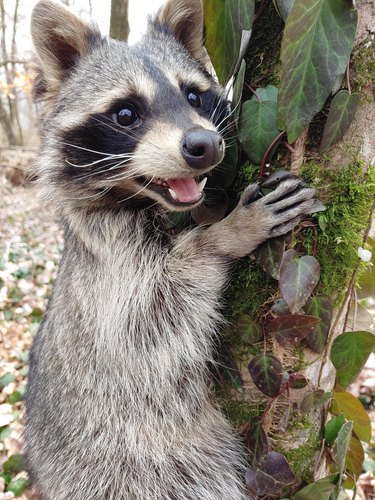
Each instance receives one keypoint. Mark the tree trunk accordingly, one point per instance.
(348, 196)
(119, 24)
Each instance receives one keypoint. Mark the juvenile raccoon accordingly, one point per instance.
(118, 399)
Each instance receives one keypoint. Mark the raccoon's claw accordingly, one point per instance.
(250, 194)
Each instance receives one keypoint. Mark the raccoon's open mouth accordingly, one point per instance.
(183, 191)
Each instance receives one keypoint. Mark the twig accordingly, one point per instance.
(348, 78)
(265, 156)
(296, 157)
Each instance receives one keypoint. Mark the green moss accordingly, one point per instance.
(363, 66)
(348, 194)
(242, 412)
(302, 459)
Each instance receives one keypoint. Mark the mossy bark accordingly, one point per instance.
(346, 183)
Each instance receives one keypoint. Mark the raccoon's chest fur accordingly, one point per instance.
(119, 370)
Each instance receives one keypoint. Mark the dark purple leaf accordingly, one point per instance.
(276, 465)
(291, 329)
(298, 278)
(249, 331)
(256, 443)
(261, 484)
(314, 399)
(269, 256)
(266, 372)
(320, 307)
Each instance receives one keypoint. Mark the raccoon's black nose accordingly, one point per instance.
(202, 148)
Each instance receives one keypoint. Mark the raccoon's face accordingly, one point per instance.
(127, 124)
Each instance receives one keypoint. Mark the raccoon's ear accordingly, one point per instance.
(184, 19)
(60, 39)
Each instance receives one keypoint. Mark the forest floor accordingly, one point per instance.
(30, 249)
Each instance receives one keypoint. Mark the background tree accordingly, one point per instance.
(119, 24)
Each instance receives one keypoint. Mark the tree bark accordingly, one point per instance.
(300, 436)
(119, 24)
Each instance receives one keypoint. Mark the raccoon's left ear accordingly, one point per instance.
(184, 19)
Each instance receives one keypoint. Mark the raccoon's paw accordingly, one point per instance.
(282, 209)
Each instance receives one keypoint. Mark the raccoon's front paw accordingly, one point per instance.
(282, 209)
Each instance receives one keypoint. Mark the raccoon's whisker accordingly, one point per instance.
(139, 191)
(95, 196)
(93, 151)
(89, 164)
(112, 166)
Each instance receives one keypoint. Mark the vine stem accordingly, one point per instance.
(348, 78)
(266, 154)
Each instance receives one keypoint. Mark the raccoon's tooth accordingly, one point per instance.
(202, 184)
(172, 193)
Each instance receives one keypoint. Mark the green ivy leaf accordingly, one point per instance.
(342, 446)
(332, 428)
(268, 93)
(316, 46)
(349, 354)
(224, 23)
(256, 443)
(351, 407)
(291, 329)
(269, 256)
(249, 331)
(340, 116)
(283, 8)
(320, 307)
(266, 372)
(298, 278)
(320, 489)
(314, 399)
(257, 128)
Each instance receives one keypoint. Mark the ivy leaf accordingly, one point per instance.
(341, 114)
(298, 278)
(320, 307)
(268, 93)
(283, 8)
(316, 46)
(349, 354)
(342, 446)
(291, 329)
(250, 331)
(257, 128)
(227, 367)
(224, 23)
(261, 484)
(332, 428)
(6, 379)
(269, 256)
(297, 381)
(256, 443)
(320, 489)
(266, 372)
(276, 465)
(280, 307)
(355, 457)
(351, 407)
(237, 91)
(314, 399)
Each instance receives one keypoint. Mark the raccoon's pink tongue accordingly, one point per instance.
(185, 189)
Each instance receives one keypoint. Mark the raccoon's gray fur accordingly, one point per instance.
(118, 403)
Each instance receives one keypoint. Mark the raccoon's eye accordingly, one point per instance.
(126, 116)
(193, 99)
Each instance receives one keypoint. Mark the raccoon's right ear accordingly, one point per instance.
(60, 39)
(184, 19)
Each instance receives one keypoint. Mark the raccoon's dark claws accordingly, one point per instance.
(250, 194)
(274, 179)
(286, 189)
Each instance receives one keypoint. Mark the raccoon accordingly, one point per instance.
(119, 403)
